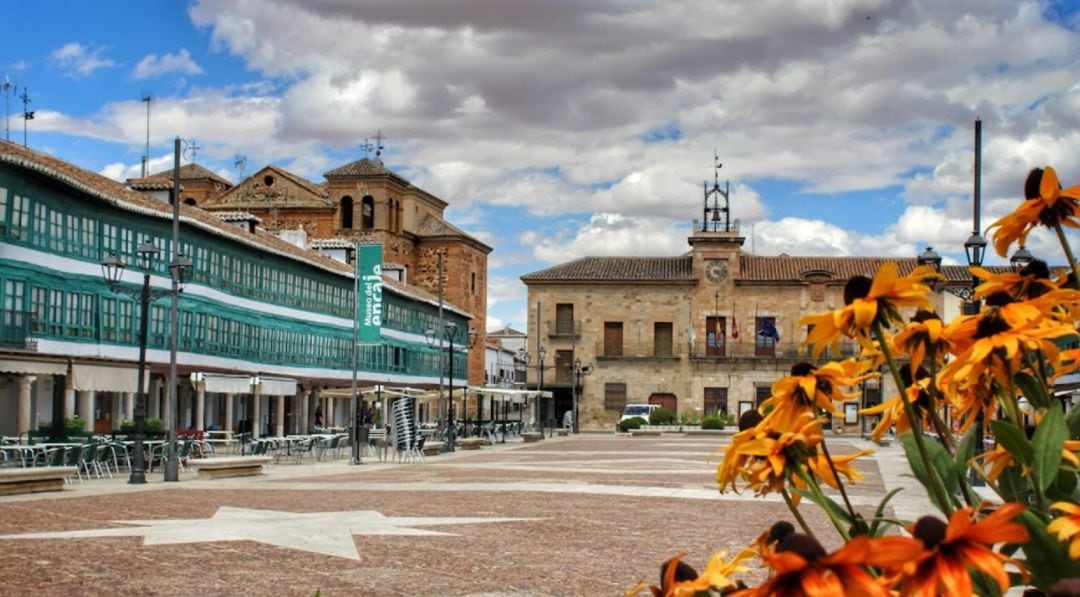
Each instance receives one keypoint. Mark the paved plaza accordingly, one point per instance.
(590, 514)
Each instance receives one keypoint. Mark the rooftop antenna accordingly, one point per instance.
(712, 214)
(378, 145)
(240, 163)
(27, 114)
(8, 90)
(191, 148)
(146, 97)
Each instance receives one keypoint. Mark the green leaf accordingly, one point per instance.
(881, 510)
(1072, 420)
(942, 463)
(1032, 389)
(828, 504)
(1064, 485)
(1049, 441)
(1013, 486)
(1046, 558)
(1014, 441)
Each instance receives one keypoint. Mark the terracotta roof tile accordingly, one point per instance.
(618, 269)
(192, 171)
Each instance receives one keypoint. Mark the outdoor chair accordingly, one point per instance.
(87, 461)
(303, 448)
(103, 455)
(72, 456)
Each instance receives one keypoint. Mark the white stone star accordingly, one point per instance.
(329, 533)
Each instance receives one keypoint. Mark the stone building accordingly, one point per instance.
(706, 331)
(366, 202)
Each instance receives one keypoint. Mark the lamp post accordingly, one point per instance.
(112, 270)
(579, 371)
(975, 250)
(449, 333)
(1021, 258)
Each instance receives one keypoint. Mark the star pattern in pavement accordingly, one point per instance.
(329, 533)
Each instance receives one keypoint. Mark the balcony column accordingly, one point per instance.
(228, 425)
(200, 406)
(279, 417)
(129, 405)
(69, 399)
(305, 402)
(22, 423)
(86, 409)
(256, 416)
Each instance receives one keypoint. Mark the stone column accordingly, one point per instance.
(22, 424)
(304, 403)
(279, 419)
(129, 405)
(256, 415)
(86, 409)
(69, 399)
(228, 412)
(116, 409)
(200, 406)
(153, 400)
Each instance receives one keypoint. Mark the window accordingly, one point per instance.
(663, 339)
(20, 216)
(41, 225)
(473, 283)
(346, 213)
(157, 325)
(564, 319)
(86, 314)
(766, 337)
(613, 339)
(14, 314)
(761, 394)
(3, 210)
(72, 316)
(56, 312)
(367, 212)
(39, 301)
(564, 367)
(614, 396)
(56, 230)
(715, 336)
(126, 320)
(108, 319)
(715, 401)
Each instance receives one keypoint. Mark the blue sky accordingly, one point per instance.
(845, 128)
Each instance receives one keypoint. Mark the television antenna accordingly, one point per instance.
(146, 97)
(9, 88)
(191, 148)
(240, 162)
(27, 113)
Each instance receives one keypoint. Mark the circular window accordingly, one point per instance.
(268, 180)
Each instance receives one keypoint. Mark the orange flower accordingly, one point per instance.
(867, 301)
(922, 334)
(892, 411)
(948, 551)
(808, 387)
(760, 455)
(1067, 526)
(1046, 203)
(819, 464)
(677, 579)
(802, 567)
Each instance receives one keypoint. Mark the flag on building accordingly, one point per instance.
(734, 327)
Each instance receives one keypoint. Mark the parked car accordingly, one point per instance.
(638, 410)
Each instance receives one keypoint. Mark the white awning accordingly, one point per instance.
(276, 386)
(223, 383)
(106, 378)
(34, 367)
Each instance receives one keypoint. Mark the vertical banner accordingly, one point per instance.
(369, 292)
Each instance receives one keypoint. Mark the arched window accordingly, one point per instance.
(367, 212)
(190, 201)
(346, 212)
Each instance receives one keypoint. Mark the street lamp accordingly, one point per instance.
(1021, 258)
(449, 333)
(975, 250)
(112, 269)
(579, 372)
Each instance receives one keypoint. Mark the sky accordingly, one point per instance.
(558, 130)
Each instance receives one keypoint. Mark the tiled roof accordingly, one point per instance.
(361, 167)
(786, 268)
(251, 194)
(237, 216)
(618, 269)
(331, 243)
(151, 183)
(116, 193)
(192, 171)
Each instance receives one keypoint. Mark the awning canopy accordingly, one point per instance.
(223, 383)
(275, 386)
(34, 367)
(106, 378)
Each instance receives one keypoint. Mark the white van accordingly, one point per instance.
(638, 410)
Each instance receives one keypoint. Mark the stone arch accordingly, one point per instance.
(346, 213)
(367, 212)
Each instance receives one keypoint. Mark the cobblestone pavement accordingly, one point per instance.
(586, 515)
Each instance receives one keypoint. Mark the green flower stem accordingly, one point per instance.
(916, 428)
(1068, 250)
(812, 483)
(836, 475)
(935, 416)
(795, 512)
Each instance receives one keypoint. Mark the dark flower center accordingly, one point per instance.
(780, 530)
(683, 571)
(749, 419)
(922, 315)
(857, 287)
(930, 531)
(999, 299)
(805, 546)
(802, 369)
(1036, 269)
(990, 326)
(1033, 182)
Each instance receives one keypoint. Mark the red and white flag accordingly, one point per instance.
(734, 327)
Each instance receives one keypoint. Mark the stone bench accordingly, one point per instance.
(238, 466)
(35, 479)
(532, 436)
(433, 448)
(471, 443)
(646, 433)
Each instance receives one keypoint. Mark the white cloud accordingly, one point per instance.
(79, 60)
(154, 66)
